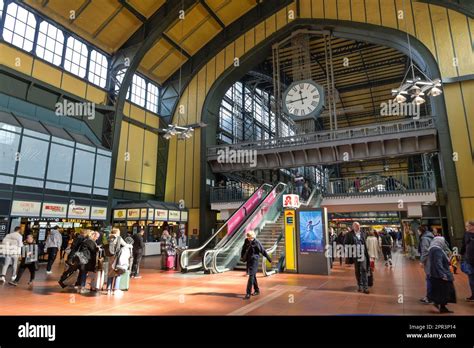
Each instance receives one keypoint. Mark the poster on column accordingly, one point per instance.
(311, 231)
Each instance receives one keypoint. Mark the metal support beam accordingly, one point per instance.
(212, 13)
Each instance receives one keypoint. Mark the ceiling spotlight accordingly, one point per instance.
(435, 91)
(415, 90)
(400, 98)
(419, 100)
(167, 136)
(172, 130)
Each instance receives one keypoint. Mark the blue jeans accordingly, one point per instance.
(110, 282)
(428, 285)
(471, 283)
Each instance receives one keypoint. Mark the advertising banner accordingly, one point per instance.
(291, 201)
(161, 214)
(24, 208)
(151, 214)
(98, 213)
(133, 214)
(143, 213)
(120, 214)
(54, 210)
(174, 215)
(240, 214)
(184, 216)
(78, 212)
(311, 231)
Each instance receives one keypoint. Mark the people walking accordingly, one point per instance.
(138, 246)
(12, 243)
(250, 253)
(87, 258)
(386, 242)
(411, 244)
(467, 253)
(114, 243)
(442, 289)
(52, 246)
(29, 256)
(425, 241)
(165, 240)
(355, 246)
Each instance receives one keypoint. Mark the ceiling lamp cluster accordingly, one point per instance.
(416, 88)
(182, 133)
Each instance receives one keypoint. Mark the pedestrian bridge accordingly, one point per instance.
(391, 139)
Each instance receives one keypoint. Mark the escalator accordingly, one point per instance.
(191, 259)
(227, 255)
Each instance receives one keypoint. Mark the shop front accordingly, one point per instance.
(153, 217)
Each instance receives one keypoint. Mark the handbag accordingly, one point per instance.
(80, 258)
(466, 268)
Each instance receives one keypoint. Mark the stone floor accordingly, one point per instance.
(173, 293)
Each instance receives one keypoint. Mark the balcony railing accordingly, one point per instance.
(325, 136)
(381, 184)
(234, 193)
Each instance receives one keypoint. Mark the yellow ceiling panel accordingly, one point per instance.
(201, 36)
(193, 19)
(146, 7)
(61, 8)
(119, 29)
(159, 50)
(230, 10)
(95, 14)
(168, 65)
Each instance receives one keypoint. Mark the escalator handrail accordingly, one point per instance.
(187, 251)
(216, 251)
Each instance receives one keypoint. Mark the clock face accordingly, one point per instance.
(303, 99)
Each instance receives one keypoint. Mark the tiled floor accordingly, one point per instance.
(172, 293)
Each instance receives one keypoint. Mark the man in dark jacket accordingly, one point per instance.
(250, 253)
(138, 246)
(355, 250)
(425, 241)
(467, 252)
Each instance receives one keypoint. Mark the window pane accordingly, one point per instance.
(57, 186)
(152, 98)
(83, 168)
(8, 149)
(50, 43)
(102, 171)
(60, 163)
(75, 60)
(29, 182)
(98, 69)
(19, 27)
(138, 90)
(81, 189)
(33, 155)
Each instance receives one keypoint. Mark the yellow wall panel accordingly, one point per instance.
(137, 113)
(150, 189)
(201, 93)
(16, 59)
(330, 10)
(467, 88)
(181, 119)
(270, 25)
(229, 55)
(95, 94)
(192, 95)
(423, 26)
(210, 73)
(119, 184)
(305, 9)
(259, 33)
(150, 157)
(468, 208)
(152, 120)
(188, 171)
(462, 43)
(317, 8)
(220, 63)
(240, 46)
(459, 138)
(118, 30)
(281, 18)
(291, 9)
(443, 41)
(73, 85)
(249, 39)
(197, 167)
(405, 23)
(126, 109)
(133, 168)
(373, 11)
(358, 11)
(193, 221)
(344, 9)
(120, 172)
(180, 170)
(389, 14)
(47, 73)
(171, 171)
(132, 186)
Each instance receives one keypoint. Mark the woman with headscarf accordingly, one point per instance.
(442, 288)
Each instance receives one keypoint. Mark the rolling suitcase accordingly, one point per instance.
(97, 280)
(170, 262)
(124, 281)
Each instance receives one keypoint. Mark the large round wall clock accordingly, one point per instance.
(303, 100)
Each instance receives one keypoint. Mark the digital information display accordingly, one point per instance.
(311, 228)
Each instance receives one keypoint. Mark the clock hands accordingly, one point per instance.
(293, 101)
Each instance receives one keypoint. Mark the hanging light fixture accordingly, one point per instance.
(416, 87)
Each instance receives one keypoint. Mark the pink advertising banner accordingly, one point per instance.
(265, 205)
(240, 215)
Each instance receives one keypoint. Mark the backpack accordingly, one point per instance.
(386, 240)
(112, 248)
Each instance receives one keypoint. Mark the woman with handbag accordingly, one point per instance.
(442, 288)
(29, 256)
(467, 252)
(86, 257)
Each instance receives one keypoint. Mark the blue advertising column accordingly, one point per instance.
(311, 241)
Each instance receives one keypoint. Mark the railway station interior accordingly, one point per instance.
(154, 148)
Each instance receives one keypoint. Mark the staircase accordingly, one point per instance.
(268, 236)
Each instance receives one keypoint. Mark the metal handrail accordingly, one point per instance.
(279, 189)
(340, 134)
(185, 256)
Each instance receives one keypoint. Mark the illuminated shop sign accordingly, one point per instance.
(120, 214)
(78, 211)
(174, 215)
(133, 214)
(161, 214)
(24, 208)
(98, 213)
(54, 210)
